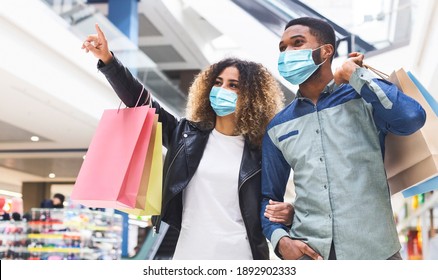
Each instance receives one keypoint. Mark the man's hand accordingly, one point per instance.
(279, 212)
(342, 74)
(291, 249)
(98, 46)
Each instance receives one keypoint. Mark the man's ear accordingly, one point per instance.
(327, 51)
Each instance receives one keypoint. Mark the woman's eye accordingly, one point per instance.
(217, 83)
(233, 86)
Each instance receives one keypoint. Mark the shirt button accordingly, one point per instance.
(330, 216)
(320, 159)
(325, 186)
(317, 131)
(185, 135)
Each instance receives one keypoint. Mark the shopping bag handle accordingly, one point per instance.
(377, 72)
(138, 100)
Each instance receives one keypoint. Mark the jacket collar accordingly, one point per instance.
(201, 126)
(251, 158)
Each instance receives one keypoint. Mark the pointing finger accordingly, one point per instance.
(100, 32)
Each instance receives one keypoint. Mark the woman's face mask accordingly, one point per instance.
(297, 66)
(223, 101)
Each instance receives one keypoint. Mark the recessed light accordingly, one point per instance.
(34, 139)
(9, 193)
(52, 175)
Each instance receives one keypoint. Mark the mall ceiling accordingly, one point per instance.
(64, 123)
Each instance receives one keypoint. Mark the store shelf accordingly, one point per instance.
(46, 223)
(63, 234)
(52, 236)
(6, 237)
(430, 203)
(55, 250)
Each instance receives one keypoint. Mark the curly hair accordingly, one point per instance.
(259, 99)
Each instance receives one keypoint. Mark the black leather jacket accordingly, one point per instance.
(185, 142)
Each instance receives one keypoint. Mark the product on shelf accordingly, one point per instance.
(54, 234)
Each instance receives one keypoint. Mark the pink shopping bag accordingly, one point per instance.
(112, 170)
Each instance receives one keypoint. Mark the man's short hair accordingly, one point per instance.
(60, 197)
(324, 32)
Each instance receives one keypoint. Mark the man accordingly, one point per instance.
(57, 201)
(332, 136)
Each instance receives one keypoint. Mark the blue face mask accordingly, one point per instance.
(223, 101)
(297, 66)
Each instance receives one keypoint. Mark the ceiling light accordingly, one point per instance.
(9, 193)
(83, 157)
(34, 139)
(52, 175)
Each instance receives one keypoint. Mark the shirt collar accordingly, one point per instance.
(329, 89)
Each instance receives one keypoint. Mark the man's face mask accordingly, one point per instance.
(297, 66)
(223, 101)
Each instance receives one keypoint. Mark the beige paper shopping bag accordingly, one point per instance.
(410, 160)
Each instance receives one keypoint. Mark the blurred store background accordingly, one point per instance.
(52, 96)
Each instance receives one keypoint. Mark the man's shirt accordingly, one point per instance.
(335, 149)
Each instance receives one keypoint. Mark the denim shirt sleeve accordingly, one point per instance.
(275, 174)
(393, 111)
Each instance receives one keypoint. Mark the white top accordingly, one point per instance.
(212, 227)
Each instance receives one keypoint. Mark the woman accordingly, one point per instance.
(211, 188)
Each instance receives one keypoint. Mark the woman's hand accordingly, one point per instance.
(98, 46)
(279, 212)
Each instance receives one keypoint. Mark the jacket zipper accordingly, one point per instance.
(173, 160)
(167, 174)
(244, 220)
(249, 177)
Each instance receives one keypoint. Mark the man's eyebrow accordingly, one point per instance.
(293, 37)
(296, 36)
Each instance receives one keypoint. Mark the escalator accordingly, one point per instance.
(158, 246)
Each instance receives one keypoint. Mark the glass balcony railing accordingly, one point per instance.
(372, 27)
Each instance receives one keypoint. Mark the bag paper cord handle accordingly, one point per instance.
(138, 100)
(377, 72)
